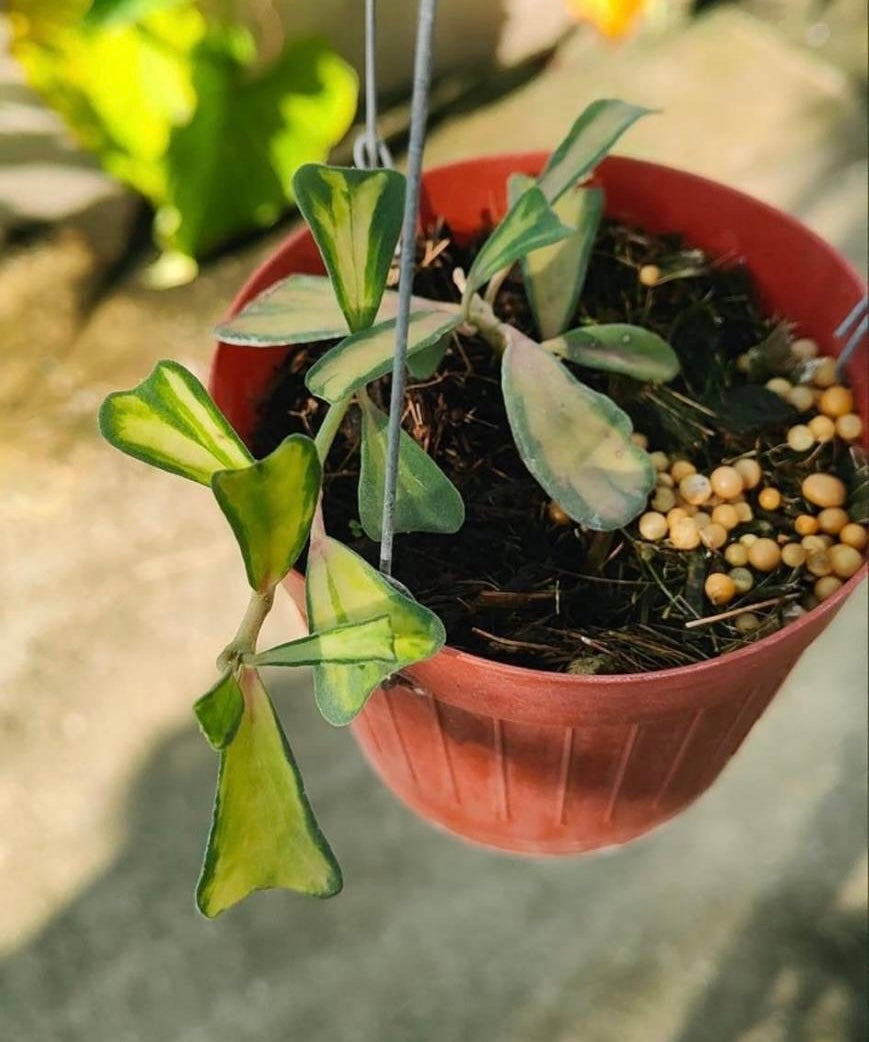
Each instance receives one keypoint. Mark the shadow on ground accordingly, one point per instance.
(433, 940)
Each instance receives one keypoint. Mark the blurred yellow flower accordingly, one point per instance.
(611, 17)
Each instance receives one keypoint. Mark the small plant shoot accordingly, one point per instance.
(575, 441)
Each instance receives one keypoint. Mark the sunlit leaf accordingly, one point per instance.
(426, 500)
(367, 355)
(618, 348)
(355, 642)
(574, 441)
(264, 833)
(528, 225)
(341, 587)
(172, 106)
(230, 167)
(355, 218)
(219, 711)
(554, 275)
(592, 135)
(170, 421)
(269, 506)
(120, 12)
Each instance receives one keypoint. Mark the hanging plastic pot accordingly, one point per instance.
(546, 763)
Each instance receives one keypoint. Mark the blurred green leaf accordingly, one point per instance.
(426, 500)
(554, 275)
(340, 587)
(367, 355)
(528, 225)
(263, 833)
(356, 642)
(355, 217)
(230, 167)
(121, 12)
(170, 421)
(269, 506)
(574, 441)
(593, 134)
(171, 107)
(618, 348)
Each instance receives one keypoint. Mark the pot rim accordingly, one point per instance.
(454, 656)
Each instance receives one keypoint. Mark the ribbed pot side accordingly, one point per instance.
(546, 763)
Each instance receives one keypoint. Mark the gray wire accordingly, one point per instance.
(418, 116)
(369, 151)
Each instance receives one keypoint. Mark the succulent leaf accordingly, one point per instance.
(574, 441)
(355, 217)
(426, 500)
(593, 134)
(263, 832)
(554, 275)
(341, 587)
(300, 309)
(367, 355)
(527, 225)
(219, 711)
(355, 642)
(618, 348)
(270, 505)
(169, 421)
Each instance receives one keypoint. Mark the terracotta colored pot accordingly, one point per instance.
(545, 763)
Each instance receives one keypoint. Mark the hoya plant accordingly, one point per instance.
(364, 626)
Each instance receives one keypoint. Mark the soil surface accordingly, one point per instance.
(518, 583)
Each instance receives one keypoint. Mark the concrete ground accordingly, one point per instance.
(741, 921)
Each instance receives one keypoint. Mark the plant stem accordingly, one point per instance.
(244, 641)
(330, 426)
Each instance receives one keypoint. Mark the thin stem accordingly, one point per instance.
(244, 641)
(330, 426)
(418, 117)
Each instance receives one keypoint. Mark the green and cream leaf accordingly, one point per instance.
(301, 309)
(263, 833)
(170, 421)
(340, 588)
(528, 225)
(426, 499)
(355, 217)
(367, 355)
(574, 441)
(270, 505)
(356, 642)
(554, 275)
(593, 134)
(618, 348)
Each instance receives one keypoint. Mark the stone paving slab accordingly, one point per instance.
(742, 921)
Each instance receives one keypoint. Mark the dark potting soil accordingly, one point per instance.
(517, 585)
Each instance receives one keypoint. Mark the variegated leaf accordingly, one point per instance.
(355, 217)
(425, 363)
(170, 421)
(367, 355)
(356, 642)
(269, 506)
(590, 138)
(554, 275)
(618, 348)
(528, 225)
(263, 833)
(574, 441)
(426, 500)
(341, 587)
(219, 711)
(301, 309)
